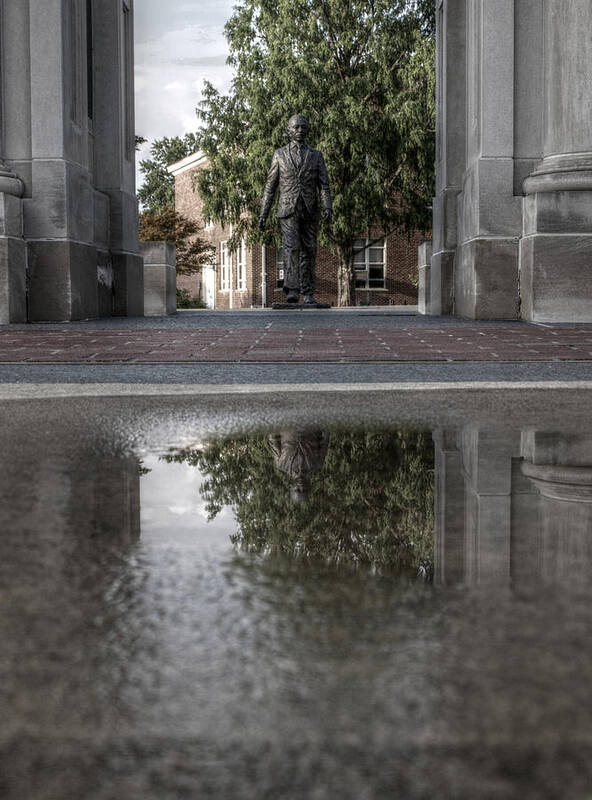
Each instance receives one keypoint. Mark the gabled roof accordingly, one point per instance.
(189, 162)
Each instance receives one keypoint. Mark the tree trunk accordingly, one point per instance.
(346, 281)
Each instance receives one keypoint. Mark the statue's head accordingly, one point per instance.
(298, 128)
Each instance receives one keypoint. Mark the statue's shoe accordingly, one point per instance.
(292, 297)
(309, 300)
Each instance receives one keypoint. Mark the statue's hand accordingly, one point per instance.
(262, 222)
(327, 215)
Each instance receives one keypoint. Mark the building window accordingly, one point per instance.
(241, 267)
(224, 267)
(369, 263)
(279, 267)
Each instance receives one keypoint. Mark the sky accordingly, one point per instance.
(173, 511)
(178, 45)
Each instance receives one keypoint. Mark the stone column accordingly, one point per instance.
(114, 148)
(450, 148)
(59, 223)
(489, 214)
(13, 257)
(556, 248)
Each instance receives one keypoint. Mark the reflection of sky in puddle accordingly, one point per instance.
(173, 511)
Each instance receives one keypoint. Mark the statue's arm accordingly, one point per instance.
(273, 178)
(325, 189)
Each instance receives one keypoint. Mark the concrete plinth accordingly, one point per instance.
(424, 264)
(160, 278)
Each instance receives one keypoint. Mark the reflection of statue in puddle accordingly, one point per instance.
(299, 454)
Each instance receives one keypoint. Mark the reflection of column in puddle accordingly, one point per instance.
(473, 504)
(66, 502)
(299, 454)
(558, 466)
(487, 461)
(449, 509)
(105, 498)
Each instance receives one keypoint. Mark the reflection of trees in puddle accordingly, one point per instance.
(348, 497)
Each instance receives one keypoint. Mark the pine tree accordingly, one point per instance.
(157, 191)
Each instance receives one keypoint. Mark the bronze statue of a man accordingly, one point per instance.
(301, 174)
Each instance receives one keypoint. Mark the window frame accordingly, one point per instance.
(241, 267)
(225, 266)
(279, 268)
(363, 273)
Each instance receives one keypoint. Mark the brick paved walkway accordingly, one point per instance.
(512, 342)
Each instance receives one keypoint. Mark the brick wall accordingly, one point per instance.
(400, 265)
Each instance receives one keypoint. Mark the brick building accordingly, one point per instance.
(252, 276)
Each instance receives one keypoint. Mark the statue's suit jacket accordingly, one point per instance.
(295, 182)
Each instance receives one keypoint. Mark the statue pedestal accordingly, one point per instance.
(298, 306)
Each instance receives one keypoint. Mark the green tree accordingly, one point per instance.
(363, 73)
(193, 252)
(371, 504)
(157, 191)
(158, 220)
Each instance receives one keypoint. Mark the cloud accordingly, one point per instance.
(176, 51)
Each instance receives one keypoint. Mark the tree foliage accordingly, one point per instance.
(363, 73)
(371, 503)
(157, 192)
(193, 252)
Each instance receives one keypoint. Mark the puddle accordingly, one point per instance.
(219, 598)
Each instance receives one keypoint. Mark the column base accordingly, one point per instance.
(556, 257)
(486, 279)
(63, 283)
(13, 261)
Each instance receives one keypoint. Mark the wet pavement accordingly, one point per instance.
(300, 594)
